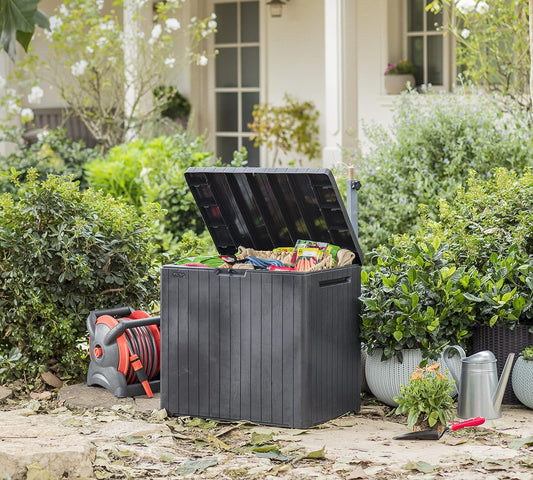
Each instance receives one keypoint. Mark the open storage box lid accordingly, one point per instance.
(266, 208)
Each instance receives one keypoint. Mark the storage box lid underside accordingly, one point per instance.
(265, 208)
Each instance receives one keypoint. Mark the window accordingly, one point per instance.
(427, 47)
(237, 77)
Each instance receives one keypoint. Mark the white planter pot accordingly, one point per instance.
(396, 84)
(522, 381)
(384, 378)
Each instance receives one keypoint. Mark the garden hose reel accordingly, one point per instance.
(125, 351)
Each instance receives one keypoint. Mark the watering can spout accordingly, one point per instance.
(500, 390)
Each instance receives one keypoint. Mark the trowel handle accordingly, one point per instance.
(471, 422)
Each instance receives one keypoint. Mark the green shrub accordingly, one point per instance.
(53, 153)
(414, 297)
(432, 144)
(63, 253)
(147, 171)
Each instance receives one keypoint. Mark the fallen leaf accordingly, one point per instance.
(41, 395)
(160, 414)
(449, 440)
(261, 438)
(273, 455)
(265, 448)
(345, 421)
(421, 466)
(33, 405)
(518, 443)
(356, 474)
(201, 423)
(133, 440)
(190, 467)
(50, 379)
(317, 454)
(37, 472)
(217, 443)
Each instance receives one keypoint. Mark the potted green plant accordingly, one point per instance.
(399, 76)
(426, 399)
(172, 103)
(522, 377)
(414, 304)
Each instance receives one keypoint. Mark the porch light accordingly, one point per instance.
(276, 7)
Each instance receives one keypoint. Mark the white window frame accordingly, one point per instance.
(449, 69)
(213, 89)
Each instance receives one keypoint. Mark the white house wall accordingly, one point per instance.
(294, 61)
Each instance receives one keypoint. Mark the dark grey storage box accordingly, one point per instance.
(276, 348)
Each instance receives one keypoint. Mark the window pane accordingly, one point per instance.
(433, 22)
(250, 22)
(227, 112)
(225, 148)
(226, 68)
(249, 99)
(415, 53)
(435, 58)
(253, 152)
(226, 22)
(415, 15)
(250, 66)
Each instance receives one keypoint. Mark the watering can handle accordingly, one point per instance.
(445, 355)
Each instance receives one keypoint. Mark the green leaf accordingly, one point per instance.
(414, 299)
(411, 275)
(421, 466)
(18, 23)
(398, 335)
(316, 453)
(518, 443)
(493, 320)
(190, 467)
(273, 455)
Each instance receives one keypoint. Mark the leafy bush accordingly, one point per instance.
(52, 153)
(432, 144)
(414, 297)
(147, 171)
(428, 394)
(63, 253)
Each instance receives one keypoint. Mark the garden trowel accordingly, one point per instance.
(435, 434)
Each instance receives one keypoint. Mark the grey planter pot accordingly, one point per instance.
(384, 378)
(522, 381)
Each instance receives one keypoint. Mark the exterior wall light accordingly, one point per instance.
(276, 7)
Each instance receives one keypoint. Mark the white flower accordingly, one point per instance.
(42, 135)
(109, 25)
(26, 115)
(79, 68)
(3, 82)
(172, 24)
(63, 10)
(101, 42)
(55, 23)
(202, 61)
(212, 24)
(213, 15)
(140, 35)
(465, 33)
(89, 49)
(99, 4)
(35, 95)
(170, 62)
(12, 106)
(465, 6)
(156, 31)
(482, 7)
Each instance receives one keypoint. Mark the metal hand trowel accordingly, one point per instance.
(435, 434)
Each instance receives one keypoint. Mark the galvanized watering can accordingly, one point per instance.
(480, 391)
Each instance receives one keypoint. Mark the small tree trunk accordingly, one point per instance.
(131, 30)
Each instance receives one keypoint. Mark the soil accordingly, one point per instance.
(128, 441)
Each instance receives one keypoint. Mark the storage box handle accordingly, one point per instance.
(230, 272)
(335, 281)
